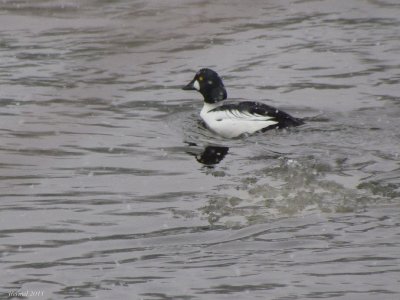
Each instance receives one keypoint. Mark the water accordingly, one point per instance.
(109, 185)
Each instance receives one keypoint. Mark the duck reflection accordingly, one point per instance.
(210, 155)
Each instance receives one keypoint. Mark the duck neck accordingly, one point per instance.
(208, 106)
(214, 94)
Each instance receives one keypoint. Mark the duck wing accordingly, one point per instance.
(255, 111)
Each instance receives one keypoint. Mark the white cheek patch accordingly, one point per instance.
(196, 85)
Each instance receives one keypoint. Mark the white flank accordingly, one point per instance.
(233, 123)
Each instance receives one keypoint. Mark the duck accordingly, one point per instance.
(232, 119)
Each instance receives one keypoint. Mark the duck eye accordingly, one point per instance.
(201, 78)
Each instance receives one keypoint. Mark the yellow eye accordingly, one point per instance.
(201, 78)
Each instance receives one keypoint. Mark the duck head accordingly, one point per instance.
(209, 84)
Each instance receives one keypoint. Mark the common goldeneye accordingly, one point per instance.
(236, 118)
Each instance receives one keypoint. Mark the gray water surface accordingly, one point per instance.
(105, 188)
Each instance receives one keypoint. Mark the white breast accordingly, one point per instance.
(232, 123)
